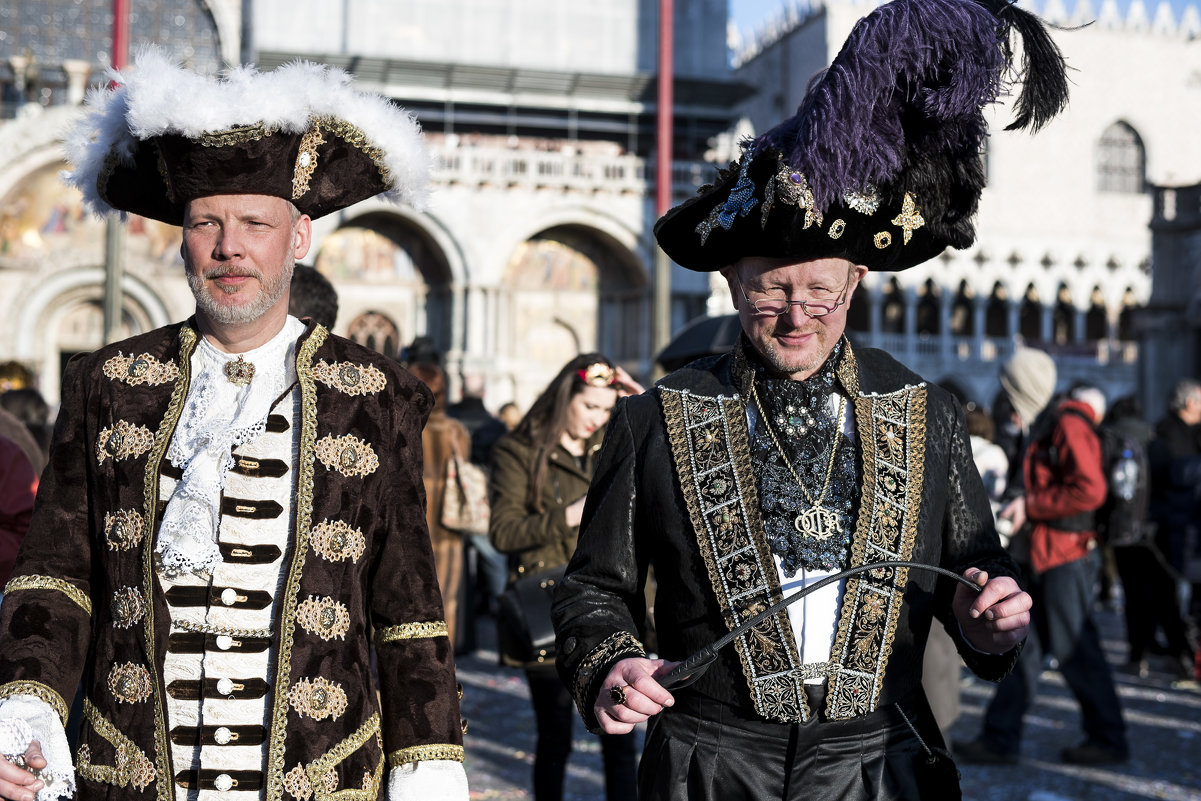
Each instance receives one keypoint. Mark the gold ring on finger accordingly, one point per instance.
(618, 695)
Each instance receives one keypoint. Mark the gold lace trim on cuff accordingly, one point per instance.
(412, 631)
(43, 692)
(36, 582)
(423, 753)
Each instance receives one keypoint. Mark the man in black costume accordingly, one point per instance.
(745, 477)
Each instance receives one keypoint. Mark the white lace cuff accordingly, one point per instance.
(427, 780)
(25, 718)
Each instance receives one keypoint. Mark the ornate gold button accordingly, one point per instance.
(114, 443)
(139, 367)
(319, 698)
(337, 542)
(349, 375)
(349, 457)
(328, 618)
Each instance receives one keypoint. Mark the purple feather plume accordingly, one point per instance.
(907, 89)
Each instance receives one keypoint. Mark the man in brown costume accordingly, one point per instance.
(234, 504)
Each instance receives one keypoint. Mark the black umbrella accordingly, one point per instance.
(704, 336)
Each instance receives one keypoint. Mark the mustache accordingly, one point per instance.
(226, 271)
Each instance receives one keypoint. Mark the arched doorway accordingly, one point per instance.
(571, 289)
(393, 283)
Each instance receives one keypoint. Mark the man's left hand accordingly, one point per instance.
(996, 618)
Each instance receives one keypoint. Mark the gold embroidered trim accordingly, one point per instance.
(236, 136)
(36, 582)
(123, 530)
(892, 439)
(296, 782)
(306, 161)
(123, 440)
(43, 692)
(420, 753)
(356, 137)
(324, 617)
(348, 454)
(620, 643)
(132, 768)
(304, 520)
(323, 768)
(353, 379)
(412, 631)
(337, 541)
(317, 698)
(710, 447)
(162, 437)
(143, 369)
(129, 683)
(129, 607)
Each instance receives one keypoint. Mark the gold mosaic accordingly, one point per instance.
(123, 440)
(123, 530)
(129, 683)
(337, 541)
(324, 617)
(317, 698)
(143, 369)
(353, 379)
(128, 607)
(347, 454)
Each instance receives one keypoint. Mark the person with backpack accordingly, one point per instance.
(1065, 485)
(1123, 524)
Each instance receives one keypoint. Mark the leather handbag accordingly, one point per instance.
(465, 506)
(525, 631)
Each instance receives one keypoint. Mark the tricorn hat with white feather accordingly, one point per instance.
(165, 135)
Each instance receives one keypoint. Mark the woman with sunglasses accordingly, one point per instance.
(540, 475)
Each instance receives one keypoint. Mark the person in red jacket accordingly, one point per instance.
(1064, 487)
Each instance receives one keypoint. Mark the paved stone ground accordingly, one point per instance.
(1164, 721)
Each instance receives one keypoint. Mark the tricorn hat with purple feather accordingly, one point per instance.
(881, 164)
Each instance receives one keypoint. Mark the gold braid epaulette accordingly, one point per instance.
(36, 582)
(412, 631)
(420, 753)
(42, 692)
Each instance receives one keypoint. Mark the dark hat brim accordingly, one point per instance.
(875, 239)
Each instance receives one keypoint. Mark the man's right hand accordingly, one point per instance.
(643, 695)
(18, 784)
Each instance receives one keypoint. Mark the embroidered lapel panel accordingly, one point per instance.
(891, 430)
(710, 449)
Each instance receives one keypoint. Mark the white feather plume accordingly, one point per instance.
(159, 97)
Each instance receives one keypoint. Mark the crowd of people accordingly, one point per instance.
(257, 546)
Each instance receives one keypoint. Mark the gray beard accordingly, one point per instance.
(269, 293)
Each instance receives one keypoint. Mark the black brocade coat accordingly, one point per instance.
(61, 619)
(674, 488)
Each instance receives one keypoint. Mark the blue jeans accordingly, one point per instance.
(1063, 627)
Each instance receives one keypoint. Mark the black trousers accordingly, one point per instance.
(1149, 585)
(704, 750)
(1063, 626)
(555, 713)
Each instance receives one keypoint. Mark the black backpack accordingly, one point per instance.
(1122, 520)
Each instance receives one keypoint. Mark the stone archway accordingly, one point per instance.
(393, 283)
(570, 289)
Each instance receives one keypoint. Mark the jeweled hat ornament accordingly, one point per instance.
(598, 374)
(166, 135)
(881, 165)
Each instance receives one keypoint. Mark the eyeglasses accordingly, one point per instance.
(598, 374)
(775, 307)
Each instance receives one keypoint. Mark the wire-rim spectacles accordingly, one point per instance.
(777, 307)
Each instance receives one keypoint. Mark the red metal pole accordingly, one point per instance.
(120, 33)
(666, 100)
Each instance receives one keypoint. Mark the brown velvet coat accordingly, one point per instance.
(60, 622)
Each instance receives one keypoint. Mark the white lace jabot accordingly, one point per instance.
(218, 415)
